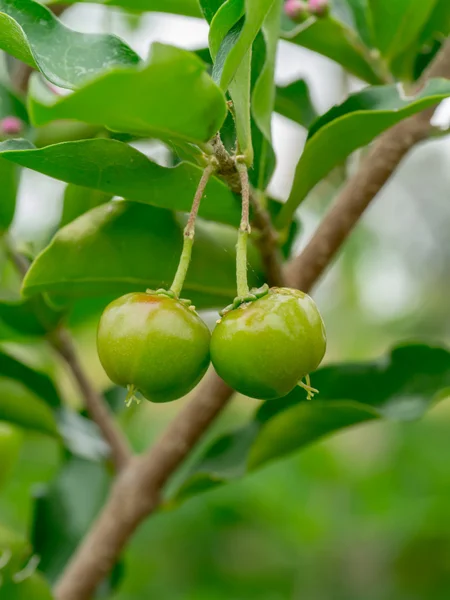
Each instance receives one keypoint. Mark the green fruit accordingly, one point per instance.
(153, 343)
(262, 349)
(10, 444)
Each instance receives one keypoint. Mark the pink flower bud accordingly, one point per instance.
(11, 126)
(319, 8)
(297, 10)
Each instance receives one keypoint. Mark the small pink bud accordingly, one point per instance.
(319, 8)
(297, 10)
(11, 126)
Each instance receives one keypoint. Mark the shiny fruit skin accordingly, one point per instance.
(264, 348)
(10, 444)
(154, 343)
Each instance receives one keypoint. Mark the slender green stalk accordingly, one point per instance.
(244, 231)
(189, 232)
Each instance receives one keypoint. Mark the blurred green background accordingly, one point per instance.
(360, 516)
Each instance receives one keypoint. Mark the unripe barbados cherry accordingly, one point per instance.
(154, 344)
(263, 348)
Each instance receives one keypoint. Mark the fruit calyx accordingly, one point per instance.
(170, 294)
(252, 296)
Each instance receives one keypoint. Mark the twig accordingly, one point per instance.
(266, 238)
(98, 410)
(137, 491)
(189, 231)
(243, 233)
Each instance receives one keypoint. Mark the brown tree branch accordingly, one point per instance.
(97, 408)
(136, 493)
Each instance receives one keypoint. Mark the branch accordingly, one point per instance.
(136, 493)
(98, 410)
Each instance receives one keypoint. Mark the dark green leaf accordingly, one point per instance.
(397, 24)
(118, 169)
(361, 19)
(187, 8)
(171, 97)
(65, 511)
(225, 18)
(78, 200)
(335, 40)
(400, 386)
(351, 125)
(8, 186)
(30, 318)
(38, 383)
(22, 407)
(263, 99)
(31, 33)
(11, 105)
(210, 7)
(34, 587)
(294, 102)
(124, 246)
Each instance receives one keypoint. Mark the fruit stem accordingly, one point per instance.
(244, 230)
(189, 232)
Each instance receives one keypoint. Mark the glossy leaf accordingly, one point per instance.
(210, 7)
(64, 512)
(8, 186)
(351, 125)
(400, 386)
(40, 384)
(30, 318)
(229, 58)
(263, 99)
(336, 41)
(397, 24)
(360, 19)
(67, 58)
(118, 169)
(187, 8)
(78, 200)
(20, 406)
(171, 97)
(124, 246)
(294, 102)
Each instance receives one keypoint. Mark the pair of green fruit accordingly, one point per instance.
(262, 347)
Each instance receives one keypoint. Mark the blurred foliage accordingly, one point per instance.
(360, 515)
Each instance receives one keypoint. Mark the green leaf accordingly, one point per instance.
(34, 587)
(67, 58)
(78, 200)
(294, 102)
(40, 384)
(338, 42)
(210, 7)
(263, 99)
(64, 512)
(226, 17)
(30, 318)
(397, 24)
(8, 186)
(401, 386)
(22, 407)
(361, 19)
(187, 8)
(118, 169)
(11, 104)
(171, 97)
(121, 247)
(351, 125)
